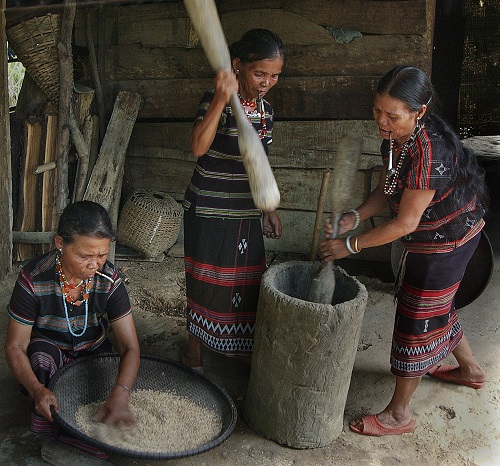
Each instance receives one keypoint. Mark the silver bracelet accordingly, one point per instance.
(356, 214)
(123, 386)
(348, 245)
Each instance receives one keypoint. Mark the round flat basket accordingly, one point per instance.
(150, 222)
(91, 379)
(477, 274)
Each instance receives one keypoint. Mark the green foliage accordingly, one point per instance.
(16, 76)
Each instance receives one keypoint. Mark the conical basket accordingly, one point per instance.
(35, 43)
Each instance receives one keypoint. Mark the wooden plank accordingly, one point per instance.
(322, 97)
(298, 231)
(367, 16)
(6, 216)
(170, 176)
(296, 144)
(108, 170)
(370, 55)
(30, 185)
(167, 23)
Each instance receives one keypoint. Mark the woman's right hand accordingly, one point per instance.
(225, 84)
(345, 224)
(44, 399)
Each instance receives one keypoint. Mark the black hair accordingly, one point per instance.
(413, 87)
(258, 44)
(84, 218)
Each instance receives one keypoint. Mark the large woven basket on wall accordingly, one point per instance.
(35, 43)
(150, 222)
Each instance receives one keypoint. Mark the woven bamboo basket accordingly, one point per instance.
(150, 222)
(35, 43)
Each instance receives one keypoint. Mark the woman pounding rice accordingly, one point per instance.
(60, 309)
(436, 194)
(223, 234)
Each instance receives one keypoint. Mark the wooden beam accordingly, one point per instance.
(33, 237)
(6, 216)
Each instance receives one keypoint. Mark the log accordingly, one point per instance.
(108, 170)
(30, 185)
(82, 100)
(33, 237)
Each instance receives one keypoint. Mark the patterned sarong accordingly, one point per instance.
(224, 262)
(426, 328)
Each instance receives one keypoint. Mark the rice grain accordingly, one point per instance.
(165, 422)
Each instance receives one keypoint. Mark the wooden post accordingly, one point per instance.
(6, 218)
(95, 76)
(49, 178)
(65, 94)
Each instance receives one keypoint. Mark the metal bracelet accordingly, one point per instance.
(348, 245)
(123, 386)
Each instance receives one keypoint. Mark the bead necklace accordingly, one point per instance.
(391, 178)
(66, 298)
(250, 107)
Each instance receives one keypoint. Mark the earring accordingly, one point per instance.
(60, 251)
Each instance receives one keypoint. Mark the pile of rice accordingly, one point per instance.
(165, 423)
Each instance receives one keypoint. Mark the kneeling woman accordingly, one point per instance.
(60, 309)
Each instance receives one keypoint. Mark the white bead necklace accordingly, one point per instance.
(391, 178)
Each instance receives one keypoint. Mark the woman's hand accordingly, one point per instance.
(116, 410)
(345, 224)
(225, 83)
(331, 249)
(271, 224)
(204, 130)
(43, 400)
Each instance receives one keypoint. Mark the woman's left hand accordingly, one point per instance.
(271, 224)
(331, 249)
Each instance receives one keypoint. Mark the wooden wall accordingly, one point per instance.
(326, 87)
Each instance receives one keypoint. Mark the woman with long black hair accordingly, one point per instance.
(437, 196)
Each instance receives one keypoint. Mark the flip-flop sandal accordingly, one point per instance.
(372, 426)
(446, 373)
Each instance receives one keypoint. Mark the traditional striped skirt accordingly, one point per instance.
(224, 262)
(426, 328)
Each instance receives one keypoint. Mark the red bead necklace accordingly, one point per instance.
(250, 107)
(66, 286)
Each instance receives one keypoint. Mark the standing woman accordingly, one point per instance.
(437, 195)
(223, 230)
(61, 307)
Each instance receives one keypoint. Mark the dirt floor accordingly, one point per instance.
(455, 425)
